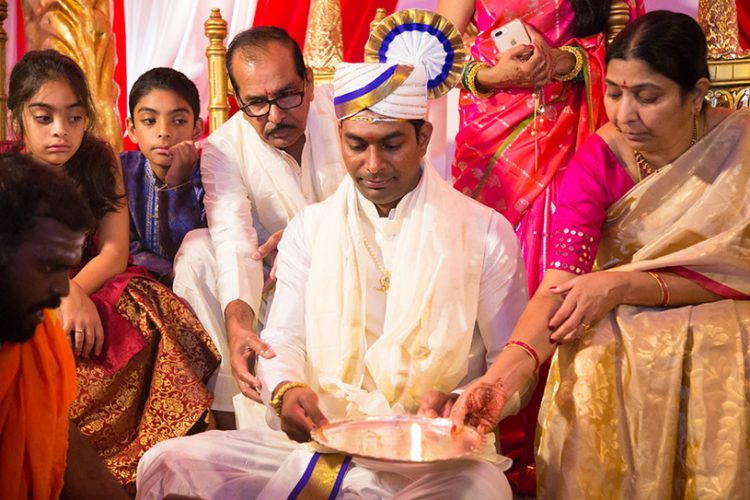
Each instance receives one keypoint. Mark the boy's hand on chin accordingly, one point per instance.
(184, 162)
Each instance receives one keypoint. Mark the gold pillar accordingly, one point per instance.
(3, 96)
(82, 30)
(324, 46)
(380, 14)
(218, 107)
(619, 15)
(728, 65)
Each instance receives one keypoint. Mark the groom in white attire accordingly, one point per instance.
(391, 294)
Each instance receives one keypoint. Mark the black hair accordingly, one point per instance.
(94, 166)
(255, 40)
(165, 79)
(417, 124)
(38, 67)
(29, 189)
(670, 43)
(590, 16)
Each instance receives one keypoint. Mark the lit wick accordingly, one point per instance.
(416, 443)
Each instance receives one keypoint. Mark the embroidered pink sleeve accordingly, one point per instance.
(593, 181)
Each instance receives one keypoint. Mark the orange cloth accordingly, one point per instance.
(37, 386)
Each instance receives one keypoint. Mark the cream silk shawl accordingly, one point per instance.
(432, 303)
(654, 402)
(249, 183)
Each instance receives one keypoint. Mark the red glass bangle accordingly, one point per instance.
(526, 347)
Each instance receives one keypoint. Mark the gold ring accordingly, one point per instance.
(79, 331)
(586, 326)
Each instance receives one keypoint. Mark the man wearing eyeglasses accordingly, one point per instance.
(267, 162)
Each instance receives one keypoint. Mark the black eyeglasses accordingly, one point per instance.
(261, 107)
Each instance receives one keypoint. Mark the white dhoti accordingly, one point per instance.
(265, 464)
(195, 281)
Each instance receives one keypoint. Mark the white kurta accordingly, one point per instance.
(263, 463)
(502, 294)
(252, 190)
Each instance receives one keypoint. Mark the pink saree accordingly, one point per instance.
(495, 149)
(654, 402)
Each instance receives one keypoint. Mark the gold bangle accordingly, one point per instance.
(576, 51)
(278, 398)
(470, 78)
(663, 289)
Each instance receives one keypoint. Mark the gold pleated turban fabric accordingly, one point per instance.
(413, 55)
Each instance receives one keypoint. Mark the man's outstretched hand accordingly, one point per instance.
(244, 346)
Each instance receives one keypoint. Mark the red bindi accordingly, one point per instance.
(624, 85)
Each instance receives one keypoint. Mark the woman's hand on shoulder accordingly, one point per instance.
(586, 300)
(79, 316)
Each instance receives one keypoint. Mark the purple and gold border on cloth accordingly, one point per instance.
(322, 478)
(373, 92)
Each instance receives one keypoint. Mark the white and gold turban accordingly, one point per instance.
(413, 55)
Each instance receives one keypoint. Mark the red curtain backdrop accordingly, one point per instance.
(743, 16)
(292, 16)
(288, 14)
(121, 77)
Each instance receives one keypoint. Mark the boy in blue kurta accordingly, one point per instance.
(165, 195)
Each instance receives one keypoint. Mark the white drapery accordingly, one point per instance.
(170, 33)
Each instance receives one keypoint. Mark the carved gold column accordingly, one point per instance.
(218, 107)
(619, 15)
(380, 14)
(728, 65)
(81, 29)
(324, 46)
(3, 96)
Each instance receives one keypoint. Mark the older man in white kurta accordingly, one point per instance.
(394, 287)
(258, 172)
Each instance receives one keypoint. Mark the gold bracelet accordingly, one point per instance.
(576, 51)
(278, 398)
(663, 289)
(470, 80)
(164, 187)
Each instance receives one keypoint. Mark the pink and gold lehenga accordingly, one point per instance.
(148, 384)
(654, 402)
(495, 148)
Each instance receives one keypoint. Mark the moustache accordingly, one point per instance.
(278, 128)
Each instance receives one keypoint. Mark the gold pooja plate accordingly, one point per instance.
(407, 439)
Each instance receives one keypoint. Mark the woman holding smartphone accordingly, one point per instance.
(525, 108)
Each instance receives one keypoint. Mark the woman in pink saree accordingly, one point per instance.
(507, 152)
(647, 289)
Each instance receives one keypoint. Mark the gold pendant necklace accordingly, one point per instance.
(385, 275)
(644, 167)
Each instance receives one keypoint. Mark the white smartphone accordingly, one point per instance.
(510, 35)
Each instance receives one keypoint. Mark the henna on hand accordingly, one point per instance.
(485, 403)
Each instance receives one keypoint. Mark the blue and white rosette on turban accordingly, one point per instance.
(412, 56)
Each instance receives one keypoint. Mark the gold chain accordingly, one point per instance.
(385, 275)
(644, 167)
